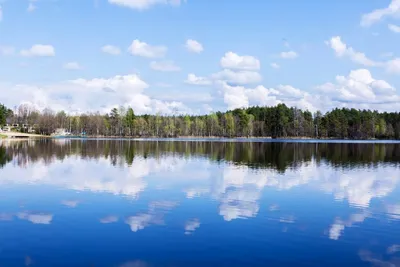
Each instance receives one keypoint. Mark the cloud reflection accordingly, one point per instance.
(191, 226)
(70, 203)
(154, 216)
(36, 218)
(109, 219)
(337, 228)
(393, 211)
(6, 217)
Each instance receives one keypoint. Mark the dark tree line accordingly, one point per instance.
(277, 122)
(4, 114)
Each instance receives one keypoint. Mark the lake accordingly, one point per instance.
(199, 203)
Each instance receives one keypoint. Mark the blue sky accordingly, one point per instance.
(310, 54)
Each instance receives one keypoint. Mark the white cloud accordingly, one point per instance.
(379, 14)
(240, 96)
(7, 50)
(72, 66)
(194, 46)
(31, 7)
(360, 87)
(145, 4)
(233, 61)
(393, 66)
(342, 50)
(289, 55)
(394, 28)
(112, 50)
(143, 49)
(164, 66)
(196, 80)
(39, 50)
(235, 96)
(99, 94)
(36, 218)
(237, 77)
(275, 65)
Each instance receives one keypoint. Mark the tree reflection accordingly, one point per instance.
(272, 155)
(4, 157)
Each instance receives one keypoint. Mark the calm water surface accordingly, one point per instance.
(139, 204)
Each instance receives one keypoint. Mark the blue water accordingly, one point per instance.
(135, 204)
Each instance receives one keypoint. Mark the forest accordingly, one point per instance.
(277, 122)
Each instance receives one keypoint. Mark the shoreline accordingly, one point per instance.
(15, 136)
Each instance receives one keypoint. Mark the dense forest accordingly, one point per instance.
(276, 122)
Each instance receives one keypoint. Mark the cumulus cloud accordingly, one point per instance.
(394, 28)
(233, 61)
(342, 50)
(7, 50)
(379, 14)
(164, 66)
(275, 65)
(240, 96)
(72, 66)
(289, 55)
(196, 80)
(194, 46)
(393, 66)
(112, 50)
(145, 4)
(237, 77)
(360, 87)
(39, 50)
(143, 49)
(100, 94)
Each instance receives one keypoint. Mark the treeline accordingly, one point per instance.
(277, 122)
(4, 114)
(265, 155)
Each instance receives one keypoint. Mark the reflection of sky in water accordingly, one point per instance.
(178, 207)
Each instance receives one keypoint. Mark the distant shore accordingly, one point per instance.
(16, 136)
(20, 136)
